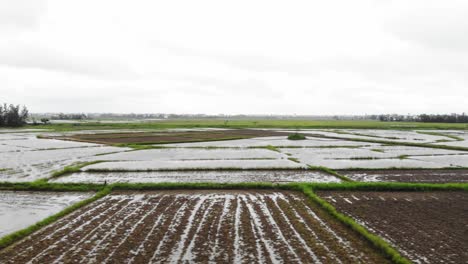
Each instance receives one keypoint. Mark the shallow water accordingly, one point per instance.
(192, 154)
(281, 176)
(21, 209)
(194, 164)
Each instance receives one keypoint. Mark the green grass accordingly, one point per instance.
(378, 150)
(16, 236)
(73, 168)
(385, 248)
(296, 136)
(330, 171)
(270, 147)
(290, 124)
(294, 160)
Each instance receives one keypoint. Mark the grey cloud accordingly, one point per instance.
(38, 57)
(21, 13)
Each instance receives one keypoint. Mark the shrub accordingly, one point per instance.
(296, 136)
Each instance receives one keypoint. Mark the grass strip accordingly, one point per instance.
(42, 185)
(18, 235)
(294, 160)
(377, 242)
(330, 171)
(73, 168)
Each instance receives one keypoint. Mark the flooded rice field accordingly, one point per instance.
(426, 227)
(193, 154)
(273, 141)
(423, 176)
(193, 165)
(195, 226)
(275, 176)
(19, 210)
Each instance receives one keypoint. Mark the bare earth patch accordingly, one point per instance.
(195, 226)
(170, 137)
(427, 227)
(423, 176)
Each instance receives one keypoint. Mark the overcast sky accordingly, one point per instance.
(235, 57)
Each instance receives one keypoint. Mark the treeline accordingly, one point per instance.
(13, 116)
(63, 116)
(452, 118)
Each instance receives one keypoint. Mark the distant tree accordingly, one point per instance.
(45, 120)
(13, 116)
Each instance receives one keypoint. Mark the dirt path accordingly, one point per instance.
(195, 226)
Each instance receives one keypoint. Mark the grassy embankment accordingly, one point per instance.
(289, 124)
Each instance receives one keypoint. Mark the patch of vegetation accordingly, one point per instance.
(296, 136)
(73, 168)
(402, 157)
(13, 237)
(272, 148)
(332, 172)
(294, 160)
(380, 244)
(378, 150)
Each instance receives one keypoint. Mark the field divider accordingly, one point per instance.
(11, 238)
(330, 171)
(376, 241)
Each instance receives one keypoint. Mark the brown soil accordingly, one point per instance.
(170, 137)
(195, 226)
(423, 176)
(427, 227)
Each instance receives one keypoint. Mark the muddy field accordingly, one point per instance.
(423, 176)
(427, 227)
(200, 226)
(170, 137)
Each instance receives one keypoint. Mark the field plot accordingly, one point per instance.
(22, 209)
(155, 165)
(380, 156)
(24, 157)
(195, 226)
(387, 135)
(276, 176)
(193, 154)
(427, 227)
(280, 141)
(423, 176)
(169, 136)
